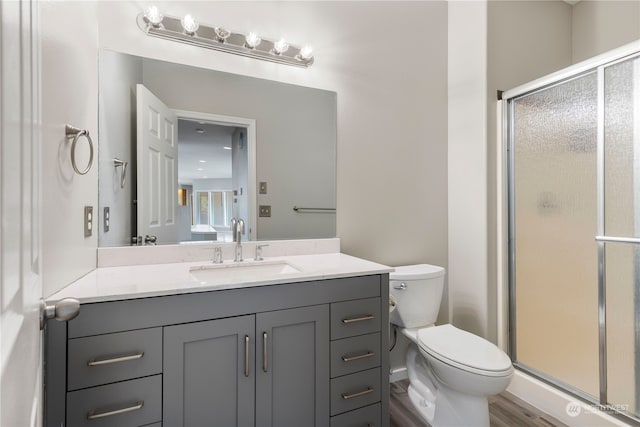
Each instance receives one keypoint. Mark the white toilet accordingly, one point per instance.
(451, 371)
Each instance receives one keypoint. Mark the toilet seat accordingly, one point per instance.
(464, 350)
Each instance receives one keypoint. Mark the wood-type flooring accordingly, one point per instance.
(505, 410)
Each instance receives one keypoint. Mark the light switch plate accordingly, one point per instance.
(88, 221)
(106, 219)
(264, 211)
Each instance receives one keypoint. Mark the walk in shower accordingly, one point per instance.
(573, 166)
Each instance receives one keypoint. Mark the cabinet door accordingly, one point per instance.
(292, 369)
(207, 375)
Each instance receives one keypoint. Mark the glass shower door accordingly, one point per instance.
(574, 233)
(621, 185)
(554, 255)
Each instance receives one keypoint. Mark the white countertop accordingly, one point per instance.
(138, 281)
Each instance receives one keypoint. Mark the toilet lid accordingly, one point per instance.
(416, 272)
(464, 350)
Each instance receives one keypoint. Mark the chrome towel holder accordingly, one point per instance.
(123, 174)
(75, 133)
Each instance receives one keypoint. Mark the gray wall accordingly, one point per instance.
(119, 75)
(295, 132)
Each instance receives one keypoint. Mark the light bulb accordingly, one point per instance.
(306, 53)
(189, 24)
(153, 15)
(252, 40)
(222, 34)
(280, 47)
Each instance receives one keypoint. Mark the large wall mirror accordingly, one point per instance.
(183, 150)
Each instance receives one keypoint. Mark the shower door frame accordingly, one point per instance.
(506, 214)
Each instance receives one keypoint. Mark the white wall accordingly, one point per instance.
(525, 40)
(392, 135)
(599, 26)
(391, 172)
(467, 167)
(69, 84)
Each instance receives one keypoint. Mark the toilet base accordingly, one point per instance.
(451, 408)
(439, 405)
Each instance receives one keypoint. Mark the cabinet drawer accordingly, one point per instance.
(109, 358)
(126, 404)
(356, 317)
(355, 390)
(369, 416)
(355, 354)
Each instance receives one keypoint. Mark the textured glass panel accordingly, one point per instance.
(623, 332)
(622, 149)
(556, 277)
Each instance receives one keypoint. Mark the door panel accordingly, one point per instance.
(20, 282)
(204, 377)
(292, 383)
(158, 167)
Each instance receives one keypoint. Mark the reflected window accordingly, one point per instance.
(213, 208)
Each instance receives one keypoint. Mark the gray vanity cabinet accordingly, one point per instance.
(308, 354)
(292, 374)
(207, 373)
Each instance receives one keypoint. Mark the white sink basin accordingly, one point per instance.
(242, 271)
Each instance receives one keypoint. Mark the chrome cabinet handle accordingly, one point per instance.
(93, 415)
(402, 286)
(357, 357)
(357, 319)
(98, 362)
(358, 394)
(265, 363)
(246, 355)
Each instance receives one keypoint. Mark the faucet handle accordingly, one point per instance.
(217, 257)
(259, 252)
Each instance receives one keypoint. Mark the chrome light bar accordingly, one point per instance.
(218, 38)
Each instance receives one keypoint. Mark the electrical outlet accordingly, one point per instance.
(88, 221)
(264, 211)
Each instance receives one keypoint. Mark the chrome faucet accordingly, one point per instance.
(234, 225)
(237, 231)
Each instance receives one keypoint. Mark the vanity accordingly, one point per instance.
(296, 340)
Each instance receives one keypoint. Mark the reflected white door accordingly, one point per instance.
(157, 151)
(20, 282)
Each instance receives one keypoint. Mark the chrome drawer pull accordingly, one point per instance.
(246, 355)
(357, 357)
(265, 362)
(357, 319)
(358, 394)
(98, 362)
(93, 415)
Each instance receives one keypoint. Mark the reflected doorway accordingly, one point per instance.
(213, 178)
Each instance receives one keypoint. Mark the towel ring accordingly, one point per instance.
(75, 133)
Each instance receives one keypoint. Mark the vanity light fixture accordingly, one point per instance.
(252, 40)
(153, 16)
(280, 47)
(189, 24)
(188, 30)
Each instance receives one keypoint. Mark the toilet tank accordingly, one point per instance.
(417, 291)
